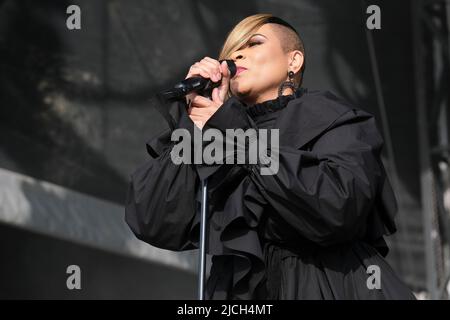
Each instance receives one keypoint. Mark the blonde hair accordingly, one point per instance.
(242, 32)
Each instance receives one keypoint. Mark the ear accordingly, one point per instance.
(296, 60)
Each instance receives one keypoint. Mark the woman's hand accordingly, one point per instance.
(202, 108)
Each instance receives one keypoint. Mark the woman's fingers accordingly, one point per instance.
(215, 96)
(202, 108)
(214, 67)
(207, 68)
(225, 71)
(202, 102)
(200, 115)
(224, 85)
(199, 69)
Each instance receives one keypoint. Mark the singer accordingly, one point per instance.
(313, 230)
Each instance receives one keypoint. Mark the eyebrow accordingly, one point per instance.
(258, 34)
(255, 34)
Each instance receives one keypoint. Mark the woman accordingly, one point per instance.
(313, 230)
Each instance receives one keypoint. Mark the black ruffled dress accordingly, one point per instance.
(314, 230)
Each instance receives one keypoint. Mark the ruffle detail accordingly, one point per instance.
(238, 270)
(239, 267)
(273, 105)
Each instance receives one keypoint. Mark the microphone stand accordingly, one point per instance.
(180, 90)
(203, 207)
(202, 251)
(202, 246)
(169, 96)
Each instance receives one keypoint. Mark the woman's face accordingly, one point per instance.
(266, 63)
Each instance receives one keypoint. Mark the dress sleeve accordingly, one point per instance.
(160, 203)
(324, 193)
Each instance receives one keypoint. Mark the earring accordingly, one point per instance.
(289, 83)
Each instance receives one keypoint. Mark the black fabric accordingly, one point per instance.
(310, 231)
(265, 113)
(274, 105)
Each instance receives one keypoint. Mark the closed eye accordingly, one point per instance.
(253, 43)
(250, 44)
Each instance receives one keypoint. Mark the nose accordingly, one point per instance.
(236, 55)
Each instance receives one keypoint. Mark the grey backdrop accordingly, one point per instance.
(76, 108)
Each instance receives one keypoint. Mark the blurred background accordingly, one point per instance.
(77, 106)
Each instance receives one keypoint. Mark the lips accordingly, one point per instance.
(240, 69)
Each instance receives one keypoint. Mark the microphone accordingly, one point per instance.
(198, 84)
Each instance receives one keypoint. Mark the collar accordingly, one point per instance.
(273, 105)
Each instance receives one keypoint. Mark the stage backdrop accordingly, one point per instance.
(77, 106)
